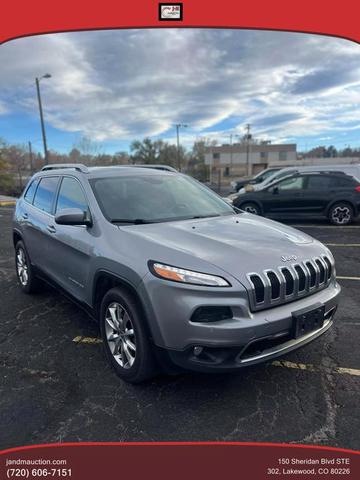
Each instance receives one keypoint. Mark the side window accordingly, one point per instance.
(342, 181)
(30, 192)
(319, 182)
(71, 195)
(293, 183)
(45, 193)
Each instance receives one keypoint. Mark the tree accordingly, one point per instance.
(120, 158)
(145, 152)
(168, 154)
(196, 163)
(6, 179)
(74, 155)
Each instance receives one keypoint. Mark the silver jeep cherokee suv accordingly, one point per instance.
(176, 277)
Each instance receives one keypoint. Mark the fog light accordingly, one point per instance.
(197, 351)
(211, 314)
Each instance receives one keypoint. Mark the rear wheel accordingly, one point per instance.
(341, 214)
(24, 270)
(251, 207)
(125, 337)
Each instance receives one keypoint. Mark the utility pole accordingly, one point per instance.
(248, 137)
(37, 82)
(178, 126)
(31, 158)
(231, 153)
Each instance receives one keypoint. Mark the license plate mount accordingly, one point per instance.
(308, 320)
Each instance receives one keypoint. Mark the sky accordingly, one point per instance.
(115, 86)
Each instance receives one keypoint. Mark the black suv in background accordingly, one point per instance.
(331, 194)
(259, 178)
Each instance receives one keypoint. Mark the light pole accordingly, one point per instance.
(37, 82)
(248, 137)
(178, 126)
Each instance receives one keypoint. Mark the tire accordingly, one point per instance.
(25, 271)
(341, 213)
(251, 207)
(126, 342)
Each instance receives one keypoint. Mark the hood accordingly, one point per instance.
(237, 244)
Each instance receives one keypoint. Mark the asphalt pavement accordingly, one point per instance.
(53, 388)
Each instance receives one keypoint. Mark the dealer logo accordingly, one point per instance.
(170, 11)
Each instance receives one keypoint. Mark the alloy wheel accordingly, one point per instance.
(251, 209)
(120, 335)
(22, 267)
(341, 215)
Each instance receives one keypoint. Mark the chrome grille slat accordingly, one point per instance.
(284, 284)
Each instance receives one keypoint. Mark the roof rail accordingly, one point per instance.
(310, 172)
(76, 166)
(155, 166)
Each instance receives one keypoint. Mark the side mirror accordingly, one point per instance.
(73, 216)
(275, 191)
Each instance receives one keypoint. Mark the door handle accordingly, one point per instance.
(25, 216)
(51, 229)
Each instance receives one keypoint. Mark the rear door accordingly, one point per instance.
(319, 190)
(72, 244)
(38, 216)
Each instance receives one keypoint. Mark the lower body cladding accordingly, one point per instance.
(212, 329)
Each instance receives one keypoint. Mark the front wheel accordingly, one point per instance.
(125, 337)
(24, 270)
(251, 207)
(341, 214)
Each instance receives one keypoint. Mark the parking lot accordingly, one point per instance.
(56, 385)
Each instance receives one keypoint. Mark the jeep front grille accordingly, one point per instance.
(286, 284)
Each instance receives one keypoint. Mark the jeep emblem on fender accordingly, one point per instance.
(288, 258)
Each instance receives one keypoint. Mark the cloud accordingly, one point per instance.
(125, 84)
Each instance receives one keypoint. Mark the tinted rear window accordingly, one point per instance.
(320, 182)
(30, 192)
(343, 181)
(45, 193)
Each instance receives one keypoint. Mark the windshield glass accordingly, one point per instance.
(276, 176)
(156, 198)
(268, 173)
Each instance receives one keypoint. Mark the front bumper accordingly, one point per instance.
(248, 338)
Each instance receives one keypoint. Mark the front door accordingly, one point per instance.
(71, 246)
(285, 196)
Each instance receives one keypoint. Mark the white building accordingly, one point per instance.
(227, 161)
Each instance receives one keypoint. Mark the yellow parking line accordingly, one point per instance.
(342, 244)
(348, 278)
(8, 203)
(313, 368)
(89, 340)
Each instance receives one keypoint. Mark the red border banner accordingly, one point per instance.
(42, 16)
(250, 461)
(180, 460)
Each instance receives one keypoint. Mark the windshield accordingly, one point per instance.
(268, 173)
(276, 176)
(156, 198)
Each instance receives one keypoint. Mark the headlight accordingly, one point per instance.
(187, 276)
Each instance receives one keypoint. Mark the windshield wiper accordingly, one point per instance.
(135, 221)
